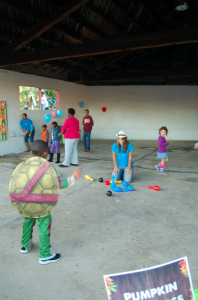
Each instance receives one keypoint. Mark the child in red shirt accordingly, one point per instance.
(87, 128)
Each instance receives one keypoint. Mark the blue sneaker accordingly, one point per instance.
(157, 167)
(163, 173)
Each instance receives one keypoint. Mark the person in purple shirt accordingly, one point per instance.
(161, 153)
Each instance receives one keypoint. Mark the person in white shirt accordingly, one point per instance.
(44, 102)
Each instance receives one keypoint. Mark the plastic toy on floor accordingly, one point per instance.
(155, 188)
(89, 178)
(107, 182)
(109, 193)
(128, 187)
(118, 189)
(116, 181)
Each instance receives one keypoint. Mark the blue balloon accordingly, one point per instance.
(115, 188)
(129, 188)
(81, 104)
(47, 117)
(59, 113)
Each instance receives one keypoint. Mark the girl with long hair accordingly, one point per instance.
(122, 158)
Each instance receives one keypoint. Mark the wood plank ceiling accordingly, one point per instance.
(101, 42)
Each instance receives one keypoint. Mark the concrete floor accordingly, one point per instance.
(98, 235)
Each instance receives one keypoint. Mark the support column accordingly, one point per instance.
(39, 98)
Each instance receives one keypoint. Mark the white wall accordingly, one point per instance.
(138, 110)
(142, 110)
(70, 95)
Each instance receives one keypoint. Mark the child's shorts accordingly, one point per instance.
(162, 155)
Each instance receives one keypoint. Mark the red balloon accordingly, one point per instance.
(107, 182)
(155, 188)
(104, 109)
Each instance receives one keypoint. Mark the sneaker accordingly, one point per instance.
(74, 165)
(163, 173)
(84, 149)
(23, 250)
(157, 167)
(56, 257)
(87, 150)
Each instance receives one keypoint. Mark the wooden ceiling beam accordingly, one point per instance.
(11, 23)
(63, 65)
(119, 56)
(51, 3)
(100, 66)
(127, 16)
(79, 20)
(22, 9)
(151, 74)
(108, 61)
(71, 33)
(104, 17)
(40, 18)
(6, 36)
(187, 19)
(136, 42)
(49, 38)
(51, 20)
(65, 30)
(150, 13)
(168, 9)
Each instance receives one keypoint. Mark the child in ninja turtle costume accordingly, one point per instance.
(34, 190)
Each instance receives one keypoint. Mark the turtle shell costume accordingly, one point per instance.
(34, 191)
(34, 188)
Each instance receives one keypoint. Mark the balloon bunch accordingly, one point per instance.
(118, 189)
(54, 114)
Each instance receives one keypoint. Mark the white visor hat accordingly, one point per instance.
(121, 134)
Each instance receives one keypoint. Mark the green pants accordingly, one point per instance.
(44, 226)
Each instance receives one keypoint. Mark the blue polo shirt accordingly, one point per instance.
(26, 124)
(122, 158)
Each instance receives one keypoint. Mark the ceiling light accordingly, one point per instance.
(181, 5)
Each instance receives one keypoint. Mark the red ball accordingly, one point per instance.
(104, 109)
(107, 182)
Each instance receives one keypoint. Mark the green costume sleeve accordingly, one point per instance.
(31, 128)
(21, 126)
(64, 183)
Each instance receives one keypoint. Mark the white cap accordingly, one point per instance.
(121, 134)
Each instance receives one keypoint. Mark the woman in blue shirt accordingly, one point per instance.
(27, 128)
(122, 158)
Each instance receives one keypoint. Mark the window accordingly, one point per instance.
(32, 98)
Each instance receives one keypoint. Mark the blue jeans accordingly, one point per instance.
(122, 174)
(43, 106)
(26, 137)
(86, 135)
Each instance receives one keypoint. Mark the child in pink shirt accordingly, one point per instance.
(70, 129)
